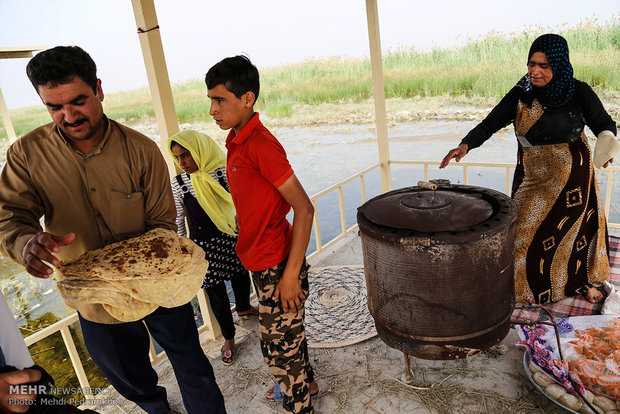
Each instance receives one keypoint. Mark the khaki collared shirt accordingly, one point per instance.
(119, 190)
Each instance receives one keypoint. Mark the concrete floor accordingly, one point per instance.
(367, 377)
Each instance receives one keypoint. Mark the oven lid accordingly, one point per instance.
(424, 210)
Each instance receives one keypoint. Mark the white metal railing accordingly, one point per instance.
(465, 165)
(62, 326)
(211, 327)
(344, 231)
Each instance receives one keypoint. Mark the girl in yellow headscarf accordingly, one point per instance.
(201, 195)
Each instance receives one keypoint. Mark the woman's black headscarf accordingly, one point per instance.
(561, 88)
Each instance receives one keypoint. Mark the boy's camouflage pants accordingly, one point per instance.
(283, 340)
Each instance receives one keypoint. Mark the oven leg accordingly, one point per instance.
(407, 369)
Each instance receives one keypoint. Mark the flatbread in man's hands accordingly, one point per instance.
(119, 304)
(158, 253)
(133, 277)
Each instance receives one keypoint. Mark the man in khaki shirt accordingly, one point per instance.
(95, 181)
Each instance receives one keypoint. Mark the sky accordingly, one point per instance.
(198, 33)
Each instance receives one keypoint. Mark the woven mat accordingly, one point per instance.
(337, 308)
(577, 305)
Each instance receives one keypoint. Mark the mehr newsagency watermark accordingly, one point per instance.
(90, 395)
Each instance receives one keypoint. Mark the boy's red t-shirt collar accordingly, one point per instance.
(245, 132)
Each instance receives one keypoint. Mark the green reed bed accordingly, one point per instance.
(487, 66)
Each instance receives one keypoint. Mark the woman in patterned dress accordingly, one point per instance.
(201, 195)
(561, 242)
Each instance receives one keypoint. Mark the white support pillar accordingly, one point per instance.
(6, 119)
(13, 52)
(376, 62)
(159, 83)
(157, 73)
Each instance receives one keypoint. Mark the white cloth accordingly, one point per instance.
(13, 346)
(611, 306)
(607, 147)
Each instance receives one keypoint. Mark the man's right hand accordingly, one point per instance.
(39, 249)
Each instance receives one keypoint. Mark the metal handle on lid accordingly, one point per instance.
(426, 184)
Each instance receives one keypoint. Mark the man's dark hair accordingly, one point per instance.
(237, 74)
(60, 65)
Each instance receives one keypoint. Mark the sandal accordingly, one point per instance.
(278, 394)
(248, 313)
(227, 357)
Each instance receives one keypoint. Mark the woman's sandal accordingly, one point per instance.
(227, 357)
(248, 313)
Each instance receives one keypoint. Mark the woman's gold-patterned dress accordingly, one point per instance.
(561, 242)
(561, 232)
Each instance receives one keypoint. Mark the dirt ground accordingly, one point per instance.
(368, 377)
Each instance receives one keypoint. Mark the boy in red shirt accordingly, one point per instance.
(264, 189)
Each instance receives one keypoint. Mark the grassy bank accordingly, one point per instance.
(486, 67)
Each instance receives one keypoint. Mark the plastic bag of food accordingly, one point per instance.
(594, 356)
(611, 306)
(541, 344)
